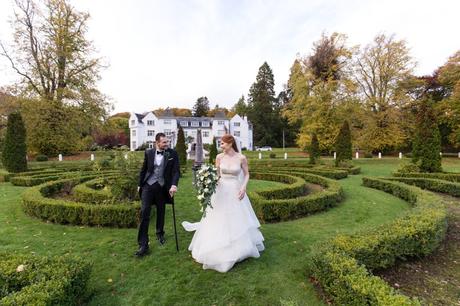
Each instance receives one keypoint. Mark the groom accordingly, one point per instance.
(158, 181)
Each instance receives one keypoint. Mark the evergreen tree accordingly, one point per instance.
(261, 100)
(314, 149)
(240, 107)
(180, 147)
(201, 107)
(14, 146)
(343, 144)
(213, 151)
(427, 142)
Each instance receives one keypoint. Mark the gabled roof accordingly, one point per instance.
(140, 117)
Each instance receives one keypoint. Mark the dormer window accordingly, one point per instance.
(205, 124)
(195, 123)
(133, 122)
(221, 122)
(236, 124)
(184, 123)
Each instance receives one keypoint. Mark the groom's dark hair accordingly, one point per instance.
(158, 136)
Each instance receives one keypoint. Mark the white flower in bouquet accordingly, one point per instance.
(206, 183)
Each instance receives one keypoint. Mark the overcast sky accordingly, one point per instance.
(169, 53)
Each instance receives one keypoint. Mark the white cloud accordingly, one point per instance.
(169, 53)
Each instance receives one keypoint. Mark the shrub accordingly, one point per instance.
(213, 152)
(342, 264)
(180, 147)
(313, 149)
(14, 146)
(368, 155)
(408, 168)
(427, 141)
(36, 203)
(280, 209)
(343, 144)
(28, 280)
(41, 158)
(272, 155)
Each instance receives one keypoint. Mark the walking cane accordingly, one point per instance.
(175, 231)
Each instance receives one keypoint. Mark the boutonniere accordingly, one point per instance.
(166, 155)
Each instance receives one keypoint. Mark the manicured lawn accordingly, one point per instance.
(166, 277)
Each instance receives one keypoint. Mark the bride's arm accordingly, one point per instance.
(217, 162)
(244, 166)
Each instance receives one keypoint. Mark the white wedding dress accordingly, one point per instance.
(229, 232)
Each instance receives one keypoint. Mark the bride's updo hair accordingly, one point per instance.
(227, 138)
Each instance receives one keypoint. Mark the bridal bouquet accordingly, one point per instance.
(206, 183)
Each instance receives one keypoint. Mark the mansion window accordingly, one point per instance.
(134, 145)
(133, 122)
(220, 133)
(205, 124)
(150, 122)
(195, 123)
(221, 122)
(167, 121)
(150, 133)
(237, 133)
(133, 133)
(205, 133)
(150, 144)
(168, 133)
(236, 123)
(184, 123)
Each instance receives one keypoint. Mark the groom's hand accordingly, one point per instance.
(172, 191)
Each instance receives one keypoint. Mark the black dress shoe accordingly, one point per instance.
(161, 239)
(142, 251)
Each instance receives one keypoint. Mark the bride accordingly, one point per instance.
(229, 231)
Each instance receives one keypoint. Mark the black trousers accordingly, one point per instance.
(151, 195)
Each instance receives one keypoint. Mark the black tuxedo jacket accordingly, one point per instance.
(171, 172)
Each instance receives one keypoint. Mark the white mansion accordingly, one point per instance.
(144, 127)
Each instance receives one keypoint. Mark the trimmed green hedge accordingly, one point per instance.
(86, 192)
(342, 265)
(37, 204)
(329, 173)
(32, 280)
(296, 186)
(453, 177)
(436, 185)
(276, 210)
(40, 178)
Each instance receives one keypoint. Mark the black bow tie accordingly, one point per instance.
(160, 152)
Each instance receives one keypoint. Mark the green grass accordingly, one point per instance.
(166, 277)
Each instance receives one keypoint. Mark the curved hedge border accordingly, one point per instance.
(86, 193)
(296, 186)
(43, 281)
(36, 203)
(453, 177)
(33, 180)
(276, 210)
(342, 265)
(448, 187)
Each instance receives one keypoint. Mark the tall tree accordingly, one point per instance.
(201, 107)
(321, 94)
(379, 69)
(261, 100)
(55, 62)
(427, 142)
(240, 107)
(14, 147)
(180, 147)
(343, 144)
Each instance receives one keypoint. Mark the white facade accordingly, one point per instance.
(144, 127)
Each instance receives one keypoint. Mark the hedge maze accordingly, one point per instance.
(342, 266)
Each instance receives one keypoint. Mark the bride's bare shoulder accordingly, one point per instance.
(242, 157)
(219, 156)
